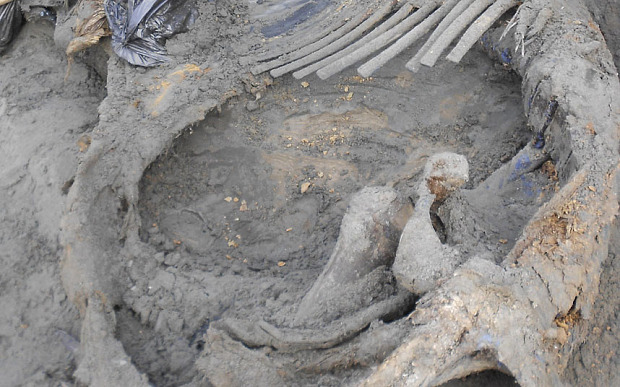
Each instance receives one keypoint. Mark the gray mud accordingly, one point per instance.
(42, 123)
(241, 211)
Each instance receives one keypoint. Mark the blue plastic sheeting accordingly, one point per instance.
(306, 11)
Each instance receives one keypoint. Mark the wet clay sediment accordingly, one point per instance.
(214, 199)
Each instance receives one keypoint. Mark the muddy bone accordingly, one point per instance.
(421, 259)
(369, 235)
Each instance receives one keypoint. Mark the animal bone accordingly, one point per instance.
(421, 259)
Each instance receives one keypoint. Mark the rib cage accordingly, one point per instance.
(382, 31)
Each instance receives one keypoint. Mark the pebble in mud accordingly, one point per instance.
(172, 259)
(163, 280)
(251, 106)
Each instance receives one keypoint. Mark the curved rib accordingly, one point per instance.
(338, 44)
(414, 63)
(303, 51)
(379, 42)
(393, 20)
(462, 21)
(483, 23)
(407, 40)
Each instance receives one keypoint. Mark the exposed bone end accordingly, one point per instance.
(421, 259)
(444, 173)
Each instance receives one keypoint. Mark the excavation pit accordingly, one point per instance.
(244, 209)
(202, 223)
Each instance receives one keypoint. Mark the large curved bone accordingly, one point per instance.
(516, 317)
(368, 238)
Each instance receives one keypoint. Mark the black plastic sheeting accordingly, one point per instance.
(140, 27)
(10, 23)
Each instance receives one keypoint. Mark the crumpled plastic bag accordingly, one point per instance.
(141, 27)
(10, 23)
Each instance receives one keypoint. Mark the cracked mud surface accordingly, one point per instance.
(223, 207)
